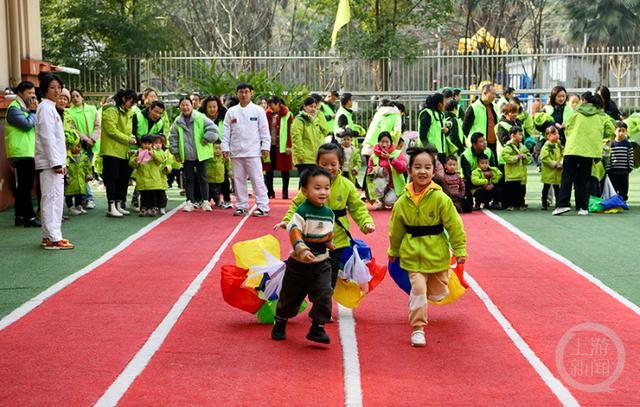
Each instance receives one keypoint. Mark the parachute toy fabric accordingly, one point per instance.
(359, 275)
(253, 284)
(457, 284)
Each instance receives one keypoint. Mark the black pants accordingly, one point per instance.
(301, 168)
(620, 184)
(545, 193)
(190, 175)
(174, 175)
(300, 280)
(462, 204)
(214, 192)
(576, 173)
(483, 196)
(25, 174)
(269, 175)
(225, 187)
(514, 192)
(70, 198)
(335, 256)
(152, 198)
(115, 174)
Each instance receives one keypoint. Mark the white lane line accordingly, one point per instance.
(138, 363)
(34, 302)
(351, 363)
(562, 393)
(597, 282)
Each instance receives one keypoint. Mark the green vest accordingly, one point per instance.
(398, 179)
(480, 117)
(386, 123)
(143, 125)
(471, 159)
(328, 111)
(19, 143)
(507, 126)
(566, 112)
(203, 152)
(434, 135)
(284, 132)
(84, 120)
(349, 115)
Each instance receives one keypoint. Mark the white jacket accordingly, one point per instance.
(245, 131)
(51, 150)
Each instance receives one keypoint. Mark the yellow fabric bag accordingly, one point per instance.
(456, 290)
(348, 293)
(249, 253)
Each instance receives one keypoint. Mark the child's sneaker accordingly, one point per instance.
(74, 211)
(226, 205)
(62, 244)
(240, 212)
(418, 339)
(81, 209)
(317, 333)
(279, 330)
(260, 213)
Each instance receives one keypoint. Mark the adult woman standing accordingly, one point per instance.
(86, 121)
(191, 141)
(558, 110)
(116, 137)
(610, 106)
(280, 120)
(20, 143)
(50, 162)
(306, 136)
(431, 126)
(215, 111)
(586, 128)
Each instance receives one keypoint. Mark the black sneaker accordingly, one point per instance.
(33, 223)
(279, 330)
(19, 221)
(318, 334)
(260, 213)
(240, 212)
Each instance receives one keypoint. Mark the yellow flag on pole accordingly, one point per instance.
(342, 18)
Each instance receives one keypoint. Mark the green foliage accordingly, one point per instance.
(379, 28)
(604, 22)
(210, 80)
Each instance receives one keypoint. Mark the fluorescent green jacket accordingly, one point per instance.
(550, 154)
(215, 170)
(331, 122)
(355, 163)
(162, 126)
(116, 132)
(434, 134)
(426, 254)
(343, 194)
(78, 168)
(150, 176)
(480, 117)
(515, 169)
(19, 143)
(586, 129)
(306, 137)
(203, 151)
(527, 123)
(478, 179)
(350, 123)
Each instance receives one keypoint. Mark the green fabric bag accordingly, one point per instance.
(594, 204)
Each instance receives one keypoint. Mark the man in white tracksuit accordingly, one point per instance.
(245, 138)
(51, 161)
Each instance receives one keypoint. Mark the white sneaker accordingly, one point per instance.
(188, 207)
(89, 204)
(226, 205)
(81, 209)
(418, 339)
(163, 211)
(206, 206)
(112, 212)
(560, 210)
(75, 211)
(120, 209)
(583, 212)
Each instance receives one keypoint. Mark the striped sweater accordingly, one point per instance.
(312, 226)
(621, 160)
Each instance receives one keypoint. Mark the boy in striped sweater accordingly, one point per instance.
(308, 268)
(621, 161)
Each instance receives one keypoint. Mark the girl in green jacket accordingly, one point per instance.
(149, 163)
(343, 197)
(424, 225)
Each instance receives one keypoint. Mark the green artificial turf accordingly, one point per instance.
(27, 269)
(601, 244)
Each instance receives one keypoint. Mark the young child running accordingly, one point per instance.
(308, 269)
(417, 235)
(78, 173)
(516, 157)
(385, 168)
(343, 196)
(551, 160)
(148, 164)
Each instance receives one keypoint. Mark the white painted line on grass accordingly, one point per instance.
(544, 249)
(350, 360)
(562, 393)
(140, 361)
(33, 303)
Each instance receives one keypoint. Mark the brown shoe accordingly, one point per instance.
(61, 244)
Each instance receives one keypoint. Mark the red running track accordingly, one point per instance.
(543, 299)
(468, 358)
(218, 355)
(72, 347)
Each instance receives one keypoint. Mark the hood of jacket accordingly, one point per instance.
(587, 109)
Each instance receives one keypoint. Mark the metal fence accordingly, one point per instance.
(431, 70)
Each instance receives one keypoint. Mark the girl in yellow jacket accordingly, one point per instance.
(417, 235)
